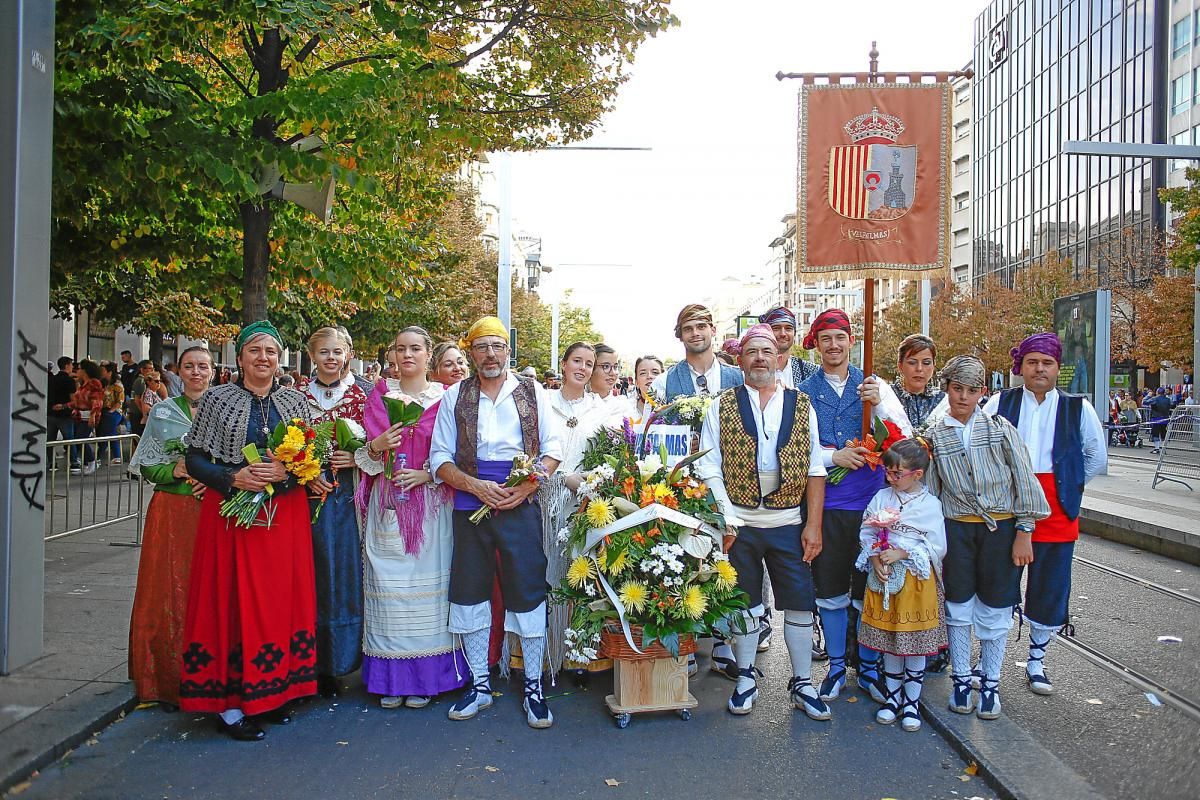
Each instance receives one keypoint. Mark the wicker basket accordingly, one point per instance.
(613, 645)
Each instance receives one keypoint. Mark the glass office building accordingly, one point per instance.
(1049, 71)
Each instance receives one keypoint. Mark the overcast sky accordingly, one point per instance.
(707, 201)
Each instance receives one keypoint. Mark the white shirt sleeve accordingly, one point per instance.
(890, 408)
(550, 445)
(991, 407)
(659, 384)
(709, 467)
(444, 443)
(935, 534)
(1095, 451)
(866, 533)
(817, 468)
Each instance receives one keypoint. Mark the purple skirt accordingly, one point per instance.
(423, 677)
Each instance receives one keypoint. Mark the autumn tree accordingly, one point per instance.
(1165, 323)
(533, 320)
(195, 110)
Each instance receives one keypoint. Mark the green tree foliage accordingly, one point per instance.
(533, 320)
(171, 113)
(1183, 252)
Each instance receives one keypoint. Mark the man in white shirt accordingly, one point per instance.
(763, 463)
(483, 423)
(792, 370)
(700, 372)
(1065, 440)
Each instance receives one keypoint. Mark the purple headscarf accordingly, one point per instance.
(759, 331)
(1046, 343)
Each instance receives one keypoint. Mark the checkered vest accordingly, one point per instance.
(739, 450)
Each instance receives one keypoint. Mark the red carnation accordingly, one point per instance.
(310, 434)
(894, 434)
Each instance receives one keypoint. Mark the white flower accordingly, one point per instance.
(356, 430)
(590, 589)
(564, 534)
(649, 466)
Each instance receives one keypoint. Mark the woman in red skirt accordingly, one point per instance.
(160, 602)
(249, 643)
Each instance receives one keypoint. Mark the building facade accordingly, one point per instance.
(1183, 94)
(961, 248)
(1052, 71)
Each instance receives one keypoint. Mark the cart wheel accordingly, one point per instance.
(622, 721)
(685, 714)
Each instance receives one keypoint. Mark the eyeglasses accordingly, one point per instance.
(897, 474)
(608, 367)
(488, 348)
(702, 384)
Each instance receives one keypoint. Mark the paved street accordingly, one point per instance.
(353, 749)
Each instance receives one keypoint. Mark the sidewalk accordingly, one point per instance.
(1123, 507)
(80, 684)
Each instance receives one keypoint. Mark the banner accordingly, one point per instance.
(675, 438)
(874, 180)
(1083, 323)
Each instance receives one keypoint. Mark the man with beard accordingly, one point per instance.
(793, 370)
(763, 462)
(700, 372)
(483, 423)
(837, 393)
(1066, 445)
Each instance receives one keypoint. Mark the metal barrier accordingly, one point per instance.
(99, 494)
(1179, 451)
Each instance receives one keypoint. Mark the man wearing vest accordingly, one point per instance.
(791, 369)
(763, 462)
(837, 393)
(1066, 445)
(482, 424)
(700, 372)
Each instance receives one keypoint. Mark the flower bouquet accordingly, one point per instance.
(524, 470)
(303, 449)
(882, 521)
(646, 551)
(885, 434)
(405, 411)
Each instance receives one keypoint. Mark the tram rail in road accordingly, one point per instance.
(1144, 582)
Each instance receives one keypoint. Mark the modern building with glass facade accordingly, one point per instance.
(1049, 71)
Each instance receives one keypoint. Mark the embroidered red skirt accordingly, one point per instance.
(161, 600)
(249, 639)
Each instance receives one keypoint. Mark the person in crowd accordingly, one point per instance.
(838, 392)
(129, 372)
(575, 414)
(87, 404)
(725, 353)
(1067, 449)
(288, 382)
(409, 654)
(793, 370)
(1160, 413)
(645, 370)
(333, 394)
(149, 397)
(60, 422)
(110, 417)
(700, 372)
(762, 461)
(448, 365)
(914, 384)
(250, 631)
(904, 615)
(991, 499)
(169, 536)
(172, 381)
(483, 423)
(604, 380)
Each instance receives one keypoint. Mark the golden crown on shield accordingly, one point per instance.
(874, 125)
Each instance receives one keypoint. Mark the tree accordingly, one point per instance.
(1165, 323)
(953, 320)
(205, 102)
(1183, 251)
(533, 320)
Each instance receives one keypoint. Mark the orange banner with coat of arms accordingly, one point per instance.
(874, 180)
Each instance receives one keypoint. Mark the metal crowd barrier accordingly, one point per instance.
(98, 497)
(1179, 452)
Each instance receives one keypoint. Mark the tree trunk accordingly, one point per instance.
(305, 363)
(256, 260)
(156, 345)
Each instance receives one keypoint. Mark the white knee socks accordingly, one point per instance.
(745, 649)
(798, 635)
(475, 649)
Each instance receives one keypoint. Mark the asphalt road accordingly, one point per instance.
(1103, 728)
(354, 749)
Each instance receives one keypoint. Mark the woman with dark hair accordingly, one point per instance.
(110, 416)
(919, 393)
(87, 405)
(334, 394)
(604, 380)
(164, 570)
(250, 635)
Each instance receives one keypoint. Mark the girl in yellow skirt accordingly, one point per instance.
(903, 542)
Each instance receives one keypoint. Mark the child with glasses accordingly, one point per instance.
(903, 540)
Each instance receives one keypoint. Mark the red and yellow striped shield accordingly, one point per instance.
(847, 185)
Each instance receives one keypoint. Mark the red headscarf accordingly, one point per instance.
(829, 319)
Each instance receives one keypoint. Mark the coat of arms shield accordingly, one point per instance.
(872, 181)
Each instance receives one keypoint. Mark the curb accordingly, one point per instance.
(34, 743)
(1175, 544)
(1008, 758)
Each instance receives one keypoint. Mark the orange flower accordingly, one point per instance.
(647, 496)
(638, 539)
(670, 501)
(653, 532)
(627, 486)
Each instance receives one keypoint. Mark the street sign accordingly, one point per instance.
(512, 348)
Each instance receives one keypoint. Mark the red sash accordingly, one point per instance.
(1056, 527)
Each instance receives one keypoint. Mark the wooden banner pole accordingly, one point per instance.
(868, 344)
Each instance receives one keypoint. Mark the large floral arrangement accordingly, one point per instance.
(303, 449)
(665, 574)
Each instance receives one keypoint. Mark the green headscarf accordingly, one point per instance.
(258, 328)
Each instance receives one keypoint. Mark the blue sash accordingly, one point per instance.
(488, 471)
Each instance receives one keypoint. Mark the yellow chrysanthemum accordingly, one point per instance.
(293, 442)
(600, 513)
(694, 602)
(581, 571)
(661, 492)
(306, 470)
(634, 595)
(618, 563)
(726, 575)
